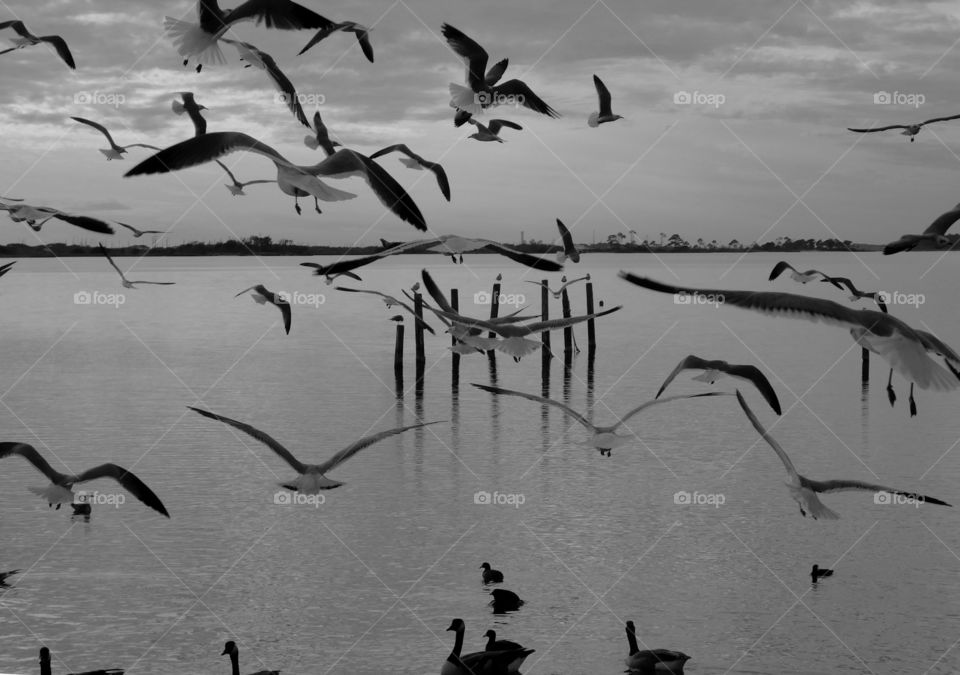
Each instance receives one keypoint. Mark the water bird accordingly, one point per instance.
(603, 438)
(6, 575)
(714, 370)
(910, 130)
(655, 660)
(28, 39)
(935, 232)
(45, 666)
(123, 279)
(391, 301)
(137, 233)
(60, 490)
(329, 278)
(312, 477)
(564, 283)
(495, 645)
(857, 294)
(362, 33)
(798, 276)
(605, 114)
(818, 573)
(320, 138)
(231, 648)
(505, 601)
(258, 58)
(415, 161)
(491, 132)
(569, 248)
(491, 663)
(490, 575)
(188, 104)
(804, 490)
(236, 189)
(37, 216)
(262, 295)
(114, 151)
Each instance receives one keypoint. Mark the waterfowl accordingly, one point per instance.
(36, 216)
(505, 601)
(910, 130)
(321, 271)
(320, 138)
(491, 132)
(797, 275)
(46, 670)
(123, 279)
(817, 573)
(415, 161)
(569, 248)
(661, 660)
(236, 189)
(231, 648)
(257, 58)
(605, 114)
(28, 39)
(495, 645)
(935, 232)
(487, 663)
(262, 295)
(188, 104)
(137, 233)
(714, 370)
(114, 151)
(491, 576)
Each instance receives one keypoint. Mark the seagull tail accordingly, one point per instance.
(178, 108)
(311, 142)
(463, 98)
(821, 511)
(593, 119)
(193, 42)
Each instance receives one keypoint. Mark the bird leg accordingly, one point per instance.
(296, 204)
(913, 404)
(316, 205)
(890, 395)
(199, 66)
(461, 258)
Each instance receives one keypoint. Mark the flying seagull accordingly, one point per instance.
(391, 301)
(60, 490)
(188, 105)
(320, 271)
(292, 179)
(6, 267)
(564, 283)
(312, 477)
(260, 59)
(123, 279)
(798, 276)
(804, 490)
(491, 132)
(198, 41)
(605, 114)
(236, 188)
(362, 33)
(910, 130)
(936, 233)
(856, 293)
(28, 39)
(114, 151)
(479, 94)
(569, 248)
(261, 295)
(415, 161)
(713, 370)
(36, 216)
(139, 233)
(320, 137)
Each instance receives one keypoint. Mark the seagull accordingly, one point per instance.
(714, 370)
(114, 151)
(139, 233)
(657, 660)
(260, 59)
(291, 178)
(60, 489)
(231, 648)
(312, 477)
(563, 280)
(320, 271)
(490, 575)
(236, 189)
(804, 490)
(415, 161)
(605, 114)
(198, 41)
(569, 248)
(192, 108)
(36, 216)
(604, 438)
(935, 233)
(817, 573)
(28, 39)
(904, 348)
(321, 137)
(362, 33)
(480, 94)
(391, 301)
(5, 575)
(261, 295)
(910, 130)
(491, 132)
(798, 276)
(123, 279)
(494, 663)
(856, 293)
(495, 645)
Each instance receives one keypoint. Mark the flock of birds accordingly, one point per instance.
(907, 350)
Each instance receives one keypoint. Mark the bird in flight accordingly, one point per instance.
(910, 130)
(123, 279)
(935, 232)
(28, 39)
(114, 151)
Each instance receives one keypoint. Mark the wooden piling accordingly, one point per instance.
(418, 339)
(864, 366)
(545, 352)
(455, 304)
(591, 329)
(568, 331)
(494, 313)
(398, 359)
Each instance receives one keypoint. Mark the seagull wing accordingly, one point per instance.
(131, 228)
(63, 51)
(343, 266)
(442, 181)
(841, 485)
(203, 149)
(85, 222)
(279, 14)
(320, 35)
(757, 378)
(223, 166)
(29, 453)
(940, 119)
(497, 125)
(6, 267)
(495, 72)
(689, 363)
(604, 95)
(643, 406)
(781, 453)
(870, 131)
(110, 260)
(438, 297)
(285, 454)
(779, 269)
(129, 481)
(523, 94)
(17, 26)
(552, 324)
(473, 55)
(569, 248)
(366, 442)
(363, 37)
(570, 412)
(527, 259)
(407, 307)
(99, 127)
(944, 221)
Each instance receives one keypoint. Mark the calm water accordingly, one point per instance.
(369, 581)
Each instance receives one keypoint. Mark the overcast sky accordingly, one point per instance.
(778, 81)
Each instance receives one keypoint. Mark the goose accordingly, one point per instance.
(603, 438)
(477, 663)
(904, 348)
(198, 41)
(661, 660)
(123, 279)
(236, 189)
(114, 151)
(480, 94)
(505, 601)
(231, 648)
(291, 178)
(804, 490)
(262, 295)
(362, 33)
(28, 39)
(798, 276)
(257, 58)
(391, 301)
(312, 477)
(495, 645)
(60, 490)
(935, 232)
(714, 370)
(188, 104)
(137, 233)
(415, 161)
(491, 576)
(569, 248)
(46, 670)
(36, 216)
(320, 138)
(564, 283)
(319, 270)
(605, 114)
(491, 132)
(817, 573)
(6, 575)
(910, 130)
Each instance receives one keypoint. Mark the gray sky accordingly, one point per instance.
(791, 76)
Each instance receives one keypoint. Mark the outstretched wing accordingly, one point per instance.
(519, 91)
(781, 453)
(63, 51)
(570, 412)
(870, 131)
(129, 481)
(944, 221)
(29, 453)
(366, 442)
(203, 149)
(604, 95)
(267, 440)
(99, 127)
(527, 259)
(474, 56)
(841, 485)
